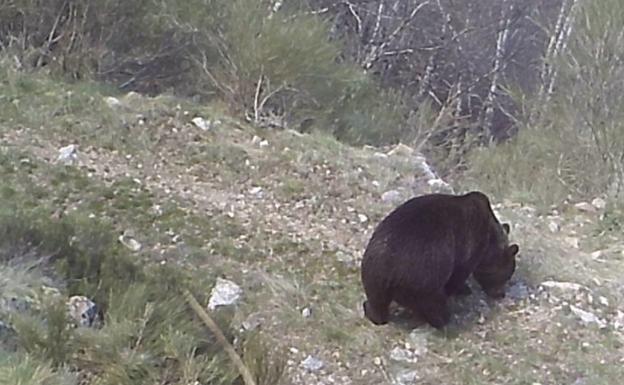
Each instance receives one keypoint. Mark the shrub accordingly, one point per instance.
(149, 333)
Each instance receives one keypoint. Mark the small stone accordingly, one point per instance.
(130, 242)
(618, 322)
(553, 227)
(599, 203)
(83, 311)
(391, 196)
(572, 242)
(596, 254)
(603, 300)
(587, 317)
(406, 377)
(201, 123)
(346, 258)
(263, 143)
(562, 285)
(112, 102)
(306, 312)
(68, 154)
(401, 149)
(438, 186)
(403, 355)
(377, 361)
(225, 292)
(362, 218)
(312, 364)
(379, 155)
(256, 190)
(585, 207)
(252, 322)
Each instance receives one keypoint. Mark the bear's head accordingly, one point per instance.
(499, 266)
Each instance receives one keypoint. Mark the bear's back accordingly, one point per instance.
(430, 218)
(433, 234)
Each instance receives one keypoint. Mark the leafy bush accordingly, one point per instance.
(366, 115)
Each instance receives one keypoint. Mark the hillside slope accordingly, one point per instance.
(287, 216)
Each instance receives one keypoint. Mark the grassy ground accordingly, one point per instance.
(287, 217)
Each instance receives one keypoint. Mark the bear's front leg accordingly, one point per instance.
(457, 285)
(461, 289)
(434, 310)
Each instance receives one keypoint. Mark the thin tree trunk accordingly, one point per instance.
(556, 45)
(498, 66)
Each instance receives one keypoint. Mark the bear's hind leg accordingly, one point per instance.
(376, 308)
(430, 306)
(433, 308)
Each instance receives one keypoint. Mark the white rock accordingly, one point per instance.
(255, 190)
(380, 155)
(406, 377)
(586, 207)
(439, 185)
(312, 364)
(599, 203)
(362, 218)
(306, 312)
(618, 322)
(587, 317)
(603, 301)
(68, 154)
(401, 149)
(572, 242)
(256, 139)
(403, 355)
(112, 102)
(83, 311)
(562, 285)
(132, 96)
(391, 196)
(596, 254)
(553, 227)
(201, 123)
(225, 292)
(130, 242)
(252, 322)
(346, 258)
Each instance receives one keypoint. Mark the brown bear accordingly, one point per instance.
(425, 250)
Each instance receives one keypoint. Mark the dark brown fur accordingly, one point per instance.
(425, 250)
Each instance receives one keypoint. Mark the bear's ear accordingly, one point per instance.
(512, 250)
(506, 228)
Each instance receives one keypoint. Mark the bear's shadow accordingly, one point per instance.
(465, 310)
